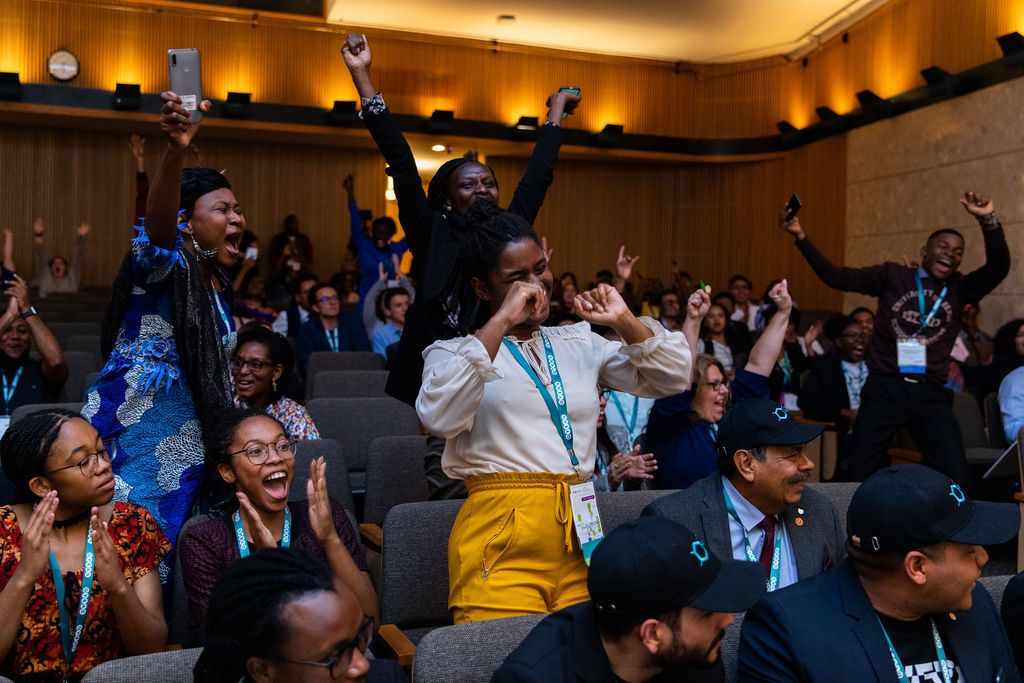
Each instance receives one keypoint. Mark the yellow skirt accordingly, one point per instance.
(512, 550)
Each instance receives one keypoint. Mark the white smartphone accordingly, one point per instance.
(186, 79)
(251, 253)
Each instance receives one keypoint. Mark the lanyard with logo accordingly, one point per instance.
(332, 337)
(582, 498)
(773, 578)
(911, 353)
(243, 543)
(920, 303)
(631, 422)
(940, 652)
(10, 388)
(69, 640)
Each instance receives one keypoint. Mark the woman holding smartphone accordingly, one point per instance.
(168, 332)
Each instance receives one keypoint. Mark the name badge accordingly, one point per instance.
(586, 518)
(5, 422)
(912, 356)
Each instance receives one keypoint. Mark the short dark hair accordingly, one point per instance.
(489, 230)
(862, 309)
(740, 278)
(665, 292)
(25, 446)
(386, 222)
(296, 286)
(613, 624)
(311, 296)
(724, 294)
(384, 300)
(1005, 341)
(945, 231)
(727, 463)
(879, 565)
(836, 324)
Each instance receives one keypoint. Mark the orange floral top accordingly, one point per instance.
(37, 651)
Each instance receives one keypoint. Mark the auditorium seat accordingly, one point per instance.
(86, 383)
(81, 364)
(320, 361)
(469, 653)
(22, 411)
(65, 330)
(995, 585)
(84, 342)
(178, 630)
(972, 428)
(338, 485)
(994, 422)
(731, 647)
(174, 666)
(349, 384)
(839, 494)
(394, 475)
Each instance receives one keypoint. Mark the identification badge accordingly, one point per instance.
(188, 102)
(586, 518)
(5, 422)
(912, 356)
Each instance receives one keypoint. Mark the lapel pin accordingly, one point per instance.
(800, 511)
(799, 521)
(952, 616)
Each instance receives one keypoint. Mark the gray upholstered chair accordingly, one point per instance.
(394, 475)
(84, 342)
(840, 495)
(80, 364)
(349, 384)
(320, 361)
(174, 666)
(469, 653)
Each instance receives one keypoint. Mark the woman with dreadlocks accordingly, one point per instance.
(168, 332)
(518, 406)
(434, 222)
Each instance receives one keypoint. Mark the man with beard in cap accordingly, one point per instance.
(659, 605)
(757, 507)
(904, 606)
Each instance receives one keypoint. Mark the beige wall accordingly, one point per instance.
(904, 177)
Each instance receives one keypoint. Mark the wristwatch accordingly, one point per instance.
(29, 313)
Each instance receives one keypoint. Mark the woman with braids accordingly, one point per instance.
(434, 222)
(277, 617)
(77, 580)
(518, 406)
(254, 456)
(168, 332)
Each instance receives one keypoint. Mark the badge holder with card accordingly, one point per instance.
(911, 352)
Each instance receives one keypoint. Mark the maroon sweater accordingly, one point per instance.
(898, 315)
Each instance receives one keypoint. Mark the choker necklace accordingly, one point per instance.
(71, 521)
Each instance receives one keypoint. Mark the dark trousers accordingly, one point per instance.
(440, 485)
(889, 403)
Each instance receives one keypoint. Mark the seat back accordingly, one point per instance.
(394, 475)
(731, 647)
(86, 383)
(968, 418)
(29, 408)
(469, 653)
(320, 361)
(355, 422)
(81, 364)
(84, 342)
(622, 506)
(839, 494)
(349, 384)
(995, 585)
(63, 330)
(178, 630)
(174, 666)
(338, 487)
(994, 422)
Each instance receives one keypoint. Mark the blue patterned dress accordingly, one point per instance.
(140, 403)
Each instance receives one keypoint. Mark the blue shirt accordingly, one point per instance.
(370, 256)
(384, 335)
(682, 443)
(751, 517)
(1011, 403)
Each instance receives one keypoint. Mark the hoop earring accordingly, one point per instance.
(202, 254)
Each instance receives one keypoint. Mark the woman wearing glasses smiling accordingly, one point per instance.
(78, 585)
(252, 453)
(262, 370)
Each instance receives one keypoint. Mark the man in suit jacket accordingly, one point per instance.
(330, 329)
(758, 502)
(906, 599)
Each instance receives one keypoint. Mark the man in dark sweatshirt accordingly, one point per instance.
(918, 320)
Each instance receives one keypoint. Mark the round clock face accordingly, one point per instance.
(62, 65)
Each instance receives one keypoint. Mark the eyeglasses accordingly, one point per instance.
(328, 299)
(259, 452)
(339, 660)
(715, 386)
(256, 364)
(87, 465)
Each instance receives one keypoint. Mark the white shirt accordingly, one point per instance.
(495, 420)
(281, 321)
(751, 517)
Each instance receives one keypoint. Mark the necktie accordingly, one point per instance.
(768, 546)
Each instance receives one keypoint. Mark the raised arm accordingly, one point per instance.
(370, 319)
(697, 307)
(165, 192)
(38, 251)
(355, 218)
(767, 349)
(868, 280)
(55, 370)
(9, 250)
(980, 282)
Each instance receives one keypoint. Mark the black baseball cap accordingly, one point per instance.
(652, 565)
(758, 422)
(907, 507)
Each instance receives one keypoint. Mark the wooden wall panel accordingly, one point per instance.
(68, 176)
(717, 220)
(297, 62)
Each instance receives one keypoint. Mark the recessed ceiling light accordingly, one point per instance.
(506, 18)
(438, 148)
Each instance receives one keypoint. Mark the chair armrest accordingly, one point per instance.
(396, 644)
(372, 534)
(905, 455)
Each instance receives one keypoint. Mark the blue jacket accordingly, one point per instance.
(351, 337)
(369, 255)
(824, 630)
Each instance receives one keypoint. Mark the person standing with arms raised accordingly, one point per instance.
(919, 316)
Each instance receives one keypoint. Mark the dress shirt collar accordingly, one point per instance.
(749, 515)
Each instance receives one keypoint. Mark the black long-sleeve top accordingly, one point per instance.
(435, 239)
(898, 316)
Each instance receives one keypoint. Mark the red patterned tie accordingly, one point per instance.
(768, 547)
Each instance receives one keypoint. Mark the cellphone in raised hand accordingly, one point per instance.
(186, 79)
(572, 90)
(793, 207)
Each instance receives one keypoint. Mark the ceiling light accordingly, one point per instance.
(237, 105)
(343, 113)
(127, 97)
(441, 121)
(438, 148)
(1012, 45)
(610, 135)
(10, 85)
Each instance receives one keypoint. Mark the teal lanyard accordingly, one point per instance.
(713, 431)
(557, 407)
(940, 652)
(243, 542)
(776, 570)
(9, 389)
(332, 337)
(68, 639)
(920, 302)
(229, 324)
(631, 422)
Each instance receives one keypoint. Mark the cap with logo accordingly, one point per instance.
(907, 507)
(650, 566)
(758, 422)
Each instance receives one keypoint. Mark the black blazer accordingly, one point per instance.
(818, 543)
(824, 395)
(824, 630)
(435, 239)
